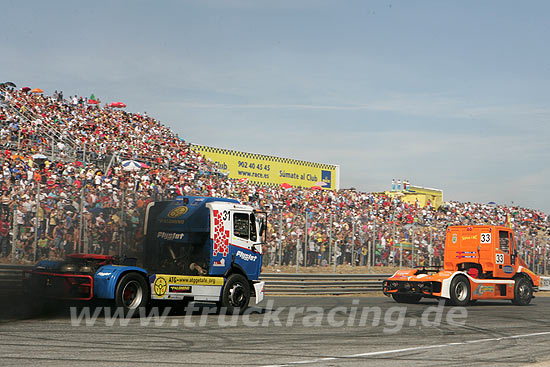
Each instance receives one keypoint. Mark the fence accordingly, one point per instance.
(322, 284)
(301, 237)
(309, 238)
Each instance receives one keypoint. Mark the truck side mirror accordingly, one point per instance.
(257, 247)
(263, 227)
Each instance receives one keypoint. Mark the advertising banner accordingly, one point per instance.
(269, 170)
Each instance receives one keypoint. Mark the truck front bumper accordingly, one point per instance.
(259, 288)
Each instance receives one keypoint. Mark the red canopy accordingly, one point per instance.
(286, 186)
(117, 105)
(93, 101)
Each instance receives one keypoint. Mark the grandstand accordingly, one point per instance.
(419, 196)
(64, 190)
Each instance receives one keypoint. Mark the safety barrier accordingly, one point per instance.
(11, 279)
(322, 284)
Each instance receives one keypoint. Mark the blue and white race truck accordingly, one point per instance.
(196, 248)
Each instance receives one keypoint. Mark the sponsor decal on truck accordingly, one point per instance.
(246, 256)
(169, 236)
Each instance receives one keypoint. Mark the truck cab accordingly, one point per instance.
(481, 262)
(195, 246)
(489, 249)
(202, 236)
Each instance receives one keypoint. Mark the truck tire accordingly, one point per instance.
(235, 294)
(132, 293)
(406, 298)
(523, 291)
(460, 291)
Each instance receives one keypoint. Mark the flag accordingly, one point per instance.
(92, 96)
(508, 221)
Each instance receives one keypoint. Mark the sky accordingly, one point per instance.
(451, 95)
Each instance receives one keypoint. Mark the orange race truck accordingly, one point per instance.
(480, 262)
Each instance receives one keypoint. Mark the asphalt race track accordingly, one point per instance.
(283, 331)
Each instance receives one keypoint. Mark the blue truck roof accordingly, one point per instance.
(186, 214)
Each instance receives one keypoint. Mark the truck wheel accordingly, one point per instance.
(236, 294)
(460, 291)
(131, 293)
(523, 292)
(406, 298)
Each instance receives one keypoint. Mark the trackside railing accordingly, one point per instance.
(322, 284)
(11, 279)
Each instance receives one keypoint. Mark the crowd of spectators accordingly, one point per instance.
(86, 201)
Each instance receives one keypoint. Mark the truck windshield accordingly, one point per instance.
(244, 226)
(241, 225)
(504, 241)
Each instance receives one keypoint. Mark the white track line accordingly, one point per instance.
(412, 349)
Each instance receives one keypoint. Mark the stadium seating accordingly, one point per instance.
(88, 202)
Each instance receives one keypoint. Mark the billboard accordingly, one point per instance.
(269, 170)
(418, 195)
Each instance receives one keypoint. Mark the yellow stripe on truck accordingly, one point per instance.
(190, 280)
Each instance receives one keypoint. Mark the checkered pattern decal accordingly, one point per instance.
(221, 236)
(267, 158)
